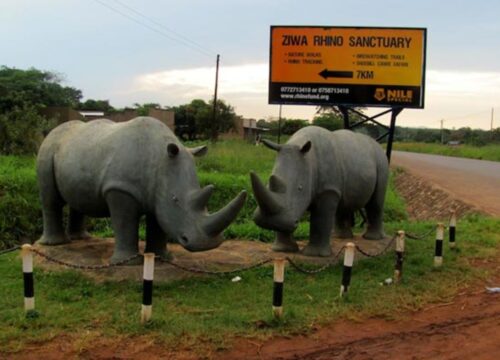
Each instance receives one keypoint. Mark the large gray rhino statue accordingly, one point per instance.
(126, 170)
(331, 174)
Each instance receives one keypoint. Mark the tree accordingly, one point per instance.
(196, 118)
(290, 126)
(19, 88)
(329, 120)
(335, 111)
(96, 105)
(23, 93)
(143, 110)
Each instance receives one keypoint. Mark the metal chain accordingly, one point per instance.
(419, 237)
(17, 247)
(367, 254)
(215, 272)
(84, 267)
(312, 272)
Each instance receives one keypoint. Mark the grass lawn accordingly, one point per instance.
(487, 152)
(215, 310)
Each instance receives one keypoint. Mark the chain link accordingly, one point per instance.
(215, 272)
(6, 251)
(316, 271)
(419, 237)
(84, 267)
(367, 254)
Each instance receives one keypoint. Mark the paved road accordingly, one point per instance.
(476, 182)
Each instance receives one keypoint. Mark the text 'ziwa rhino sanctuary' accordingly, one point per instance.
(126, 170)
(331, 174)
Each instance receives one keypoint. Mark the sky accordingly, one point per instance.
(136, 51)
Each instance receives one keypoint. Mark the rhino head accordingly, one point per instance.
(283, 202)
(181, 208)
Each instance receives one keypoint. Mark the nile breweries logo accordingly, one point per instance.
(393, 95)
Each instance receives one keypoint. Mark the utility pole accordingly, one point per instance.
(492, 116)
(279, 126)
(442, 134)
(215, 130)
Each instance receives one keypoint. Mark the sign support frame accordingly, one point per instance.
(393, 110)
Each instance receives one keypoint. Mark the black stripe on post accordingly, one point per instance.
(439, 248)
(29, 288)
(147, 292)
(346, 277)
(278, 294)
(452, 234)
(399, 262)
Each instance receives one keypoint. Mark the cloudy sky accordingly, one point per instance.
(131, 51)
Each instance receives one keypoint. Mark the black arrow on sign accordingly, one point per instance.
(336, 74)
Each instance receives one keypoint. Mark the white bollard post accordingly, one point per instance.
(279, 278)
(346, 273)
(147, 289)
(29, 288)
(438, 252)
(400, 249)
(453, 224)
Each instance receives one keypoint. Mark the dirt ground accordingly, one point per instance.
(468, 327)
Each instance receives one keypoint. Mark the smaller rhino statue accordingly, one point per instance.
(331, 174)
(124, 171)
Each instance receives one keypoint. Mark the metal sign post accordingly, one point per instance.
(394, 111)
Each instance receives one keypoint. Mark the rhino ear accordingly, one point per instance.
(199, 150)
(172, 150)
(306, 147)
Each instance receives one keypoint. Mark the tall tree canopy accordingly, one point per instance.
(32, 87)
(22, 94)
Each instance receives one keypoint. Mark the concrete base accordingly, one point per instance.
(230, 255)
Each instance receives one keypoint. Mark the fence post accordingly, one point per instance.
(29, 288)
(438, 252)
(147, 289)
(279, 278)
(346, 273)
(453, 224)
(400, 249)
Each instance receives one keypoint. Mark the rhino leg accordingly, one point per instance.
(322, 214)
(375, 211)
(125, 215)
(343, 224)
(52, 204)
(156, 238)
(284, 242)
(76, 225)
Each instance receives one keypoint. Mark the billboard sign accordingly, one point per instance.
(358, 66)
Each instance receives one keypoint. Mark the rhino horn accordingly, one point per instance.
(215, 223)
(271, 145)
(264, 197)
(199, 198)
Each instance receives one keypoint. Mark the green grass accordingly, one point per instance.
(487, 152)
(214, 310)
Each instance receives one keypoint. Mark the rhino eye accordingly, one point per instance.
(175, 198)
(300, 187)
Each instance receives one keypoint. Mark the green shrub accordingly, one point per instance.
(22, 130)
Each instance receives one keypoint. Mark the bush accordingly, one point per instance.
(22, 130)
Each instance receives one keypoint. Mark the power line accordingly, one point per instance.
(184, 42)
(142, 15)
